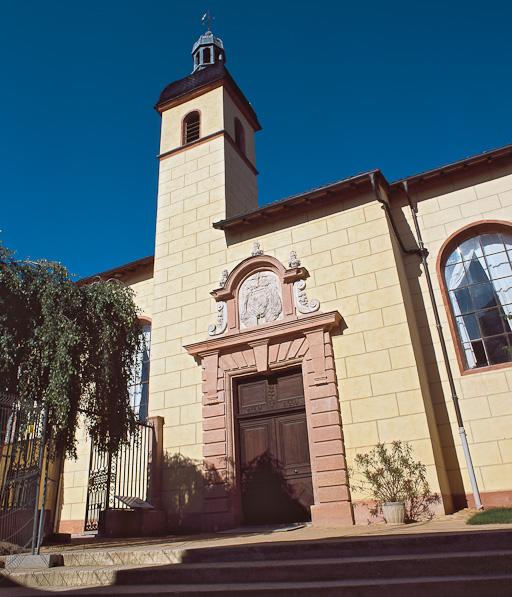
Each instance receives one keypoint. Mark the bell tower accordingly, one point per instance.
(207, 172)
(207, 136)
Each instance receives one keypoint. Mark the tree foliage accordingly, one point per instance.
(68, 347)
(390, 474)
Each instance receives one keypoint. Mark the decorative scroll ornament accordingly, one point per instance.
(222, 320)
(223, 278)
(294, 261)
(302, 303)
(256, 249)
(259, 299)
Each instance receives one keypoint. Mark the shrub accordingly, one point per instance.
(390, 474)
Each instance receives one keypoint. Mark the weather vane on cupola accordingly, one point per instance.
(208, 49)
(207, 19)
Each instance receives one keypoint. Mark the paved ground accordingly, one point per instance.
(443, 524)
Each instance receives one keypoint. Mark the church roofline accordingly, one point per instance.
(446, 169)
(202, 81)
(119, 272)
(281, 207)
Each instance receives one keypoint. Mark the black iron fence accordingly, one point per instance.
(125, 474)
(29, 474)
(22, 460)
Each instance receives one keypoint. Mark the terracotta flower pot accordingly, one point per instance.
(394, 512)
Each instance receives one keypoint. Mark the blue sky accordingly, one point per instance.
(339, 88)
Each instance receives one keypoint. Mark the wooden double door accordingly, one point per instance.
(275, 467)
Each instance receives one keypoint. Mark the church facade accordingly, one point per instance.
(306, 330)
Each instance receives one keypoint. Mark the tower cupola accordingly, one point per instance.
(207, 50)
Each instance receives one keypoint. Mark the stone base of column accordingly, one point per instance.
(332, 514)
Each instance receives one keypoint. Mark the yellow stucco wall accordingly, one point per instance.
(231, 111)
(485, 397)
(142, 286)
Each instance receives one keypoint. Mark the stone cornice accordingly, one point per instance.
(210, 137)
(297, 327)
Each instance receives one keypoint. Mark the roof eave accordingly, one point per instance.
(120, 271)
(485, 156)
(223, 79)
(309, 199)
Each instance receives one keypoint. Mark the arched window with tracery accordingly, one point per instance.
(191, 127)
(475, 269)
(239, 135)
(139, 388)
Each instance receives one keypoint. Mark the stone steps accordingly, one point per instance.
(442, 561)
(324, 569)
(325, 548)
(357, 546)
(452, 586)
(329, 569)
(61, 577)
(124, 557)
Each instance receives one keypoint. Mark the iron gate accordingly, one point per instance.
(21, 464)
(124, 474)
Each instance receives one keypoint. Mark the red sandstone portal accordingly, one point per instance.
(239, 350)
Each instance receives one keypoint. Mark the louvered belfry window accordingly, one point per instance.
(191, 126)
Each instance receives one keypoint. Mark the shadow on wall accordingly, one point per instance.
(452, 489)
(184, 482)
(267, 497)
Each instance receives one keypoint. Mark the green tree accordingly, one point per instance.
(68, 347)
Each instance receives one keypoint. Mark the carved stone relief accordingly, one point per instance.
(222, 320)
(302, 303)
(256, 249)
(294, 261)
(260, 299)
(223, 278)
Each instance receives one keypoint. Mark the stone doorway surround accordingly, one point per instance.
(297, 336)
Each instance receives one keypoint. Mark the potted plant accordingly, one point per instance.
(397, 483)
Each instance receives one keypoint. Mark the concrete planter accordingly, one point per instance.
(394, 512)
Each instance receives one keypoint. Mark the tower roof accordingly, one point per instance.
(201, 81)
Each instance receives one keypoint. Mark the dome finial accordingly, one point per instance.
(208, 49)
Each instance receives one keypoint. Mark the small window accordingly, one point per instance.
(191, 126)
(239, 135)
(207, 56)
(477, 272)
(139, 388)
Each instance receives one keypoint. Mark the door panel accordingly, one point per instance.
(293, 446)
(252, 397)
(256, 438)
(274, 451)
(290, 391)
(293, 453)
